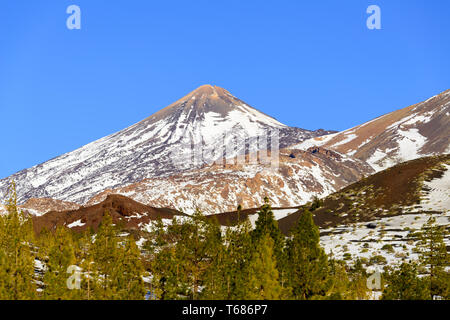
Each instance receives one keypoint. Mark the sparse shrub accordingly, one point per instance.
(388, 248)
(347, 256)
(316, 204)
(404, 284)
(377, 259)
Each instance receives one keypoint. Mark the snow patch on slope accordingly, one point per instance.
(438, 198)
(410, 144)
(317, 141)
(347, 139)
(359, 241)
(77, 223)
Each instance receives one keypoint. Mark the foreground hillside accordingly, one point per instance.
(378, 218)
(194, 258)
(402, 189)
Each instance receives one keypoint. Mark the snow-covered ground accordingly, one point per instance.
(278, 213)
(358, 240)
(77, 223)
(316, 141)
(380, 160)
(438, 198)
(391, 238)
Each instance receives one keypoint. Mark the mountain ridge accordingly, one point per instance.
(419, 130)
(153, 147)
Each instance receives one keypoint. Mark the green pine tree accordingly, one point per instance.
(308, 265)
(403, 283)
(105, 257)
(129, 281)
(180, 265)
(214, 277)
(162, 260)
(435, 258)
(358, 281)
(17, 252)
(263, 277)
(226, 277)
(239, 251)
(266, 224)
(340, 284)
(85, 255)
(61, 255)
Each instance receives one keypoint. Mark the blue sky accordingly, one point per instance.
(310, 64)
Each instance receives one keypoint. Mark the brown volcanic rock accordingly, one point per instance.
(124, 211)
(205, 98)
(326, 152)
(419, 130)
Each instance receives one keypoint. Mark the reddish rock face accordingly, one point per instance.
(124, 211)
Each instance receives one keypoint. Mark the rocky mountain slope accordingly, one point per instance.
(208, 120)
(216, 188)
(419, 130)
(301, 176)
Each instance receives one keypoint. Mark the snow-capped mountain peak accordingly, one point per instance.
(207, 99)
(150, 147)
